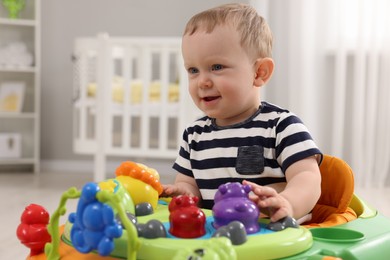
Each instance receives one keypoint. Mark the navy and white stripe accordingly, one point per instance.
(209, 152)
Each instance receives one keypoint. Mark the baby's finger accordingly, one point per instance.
(269, 202)
(264, 191)
(254, 198)
(251, 184)
(279, 214)
(277, 206)
(168, 190)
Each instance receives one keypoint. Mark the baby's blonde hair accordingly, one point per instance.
(256, 36)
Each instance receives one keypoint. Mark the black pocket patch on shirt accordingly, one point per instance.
(250, 160)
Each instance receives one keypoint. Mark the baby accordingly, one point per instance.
(227, 54)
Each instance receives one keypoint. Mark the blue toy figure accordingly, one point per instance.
(94, 224)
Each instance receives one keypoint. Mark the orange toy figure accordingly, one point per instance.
(142, 182)
(187, 220)
(32, 231)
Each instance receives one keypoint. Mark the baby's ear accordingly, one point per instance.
(264, 67)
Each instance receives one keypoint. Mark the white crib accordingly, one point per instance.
(130, 98)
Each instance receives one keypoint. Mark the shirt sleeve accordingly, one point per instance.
(293, 141)
(183, 162)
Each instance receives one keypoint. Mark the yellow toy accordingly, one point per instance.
(142, 182)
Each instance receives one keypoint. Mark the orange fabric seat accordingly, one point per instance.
(337, 187)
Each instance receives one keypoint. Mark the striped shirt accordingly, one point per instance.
(260, 149)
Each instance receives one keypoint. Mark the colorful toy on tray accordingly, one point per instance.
(123, 218)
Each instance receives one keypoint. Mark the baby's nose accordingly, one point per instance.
(205, 81)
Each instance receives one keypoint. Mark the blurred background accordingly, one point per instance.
(332, 69)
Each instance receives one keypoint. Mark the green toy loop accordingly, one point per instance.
(52, 248)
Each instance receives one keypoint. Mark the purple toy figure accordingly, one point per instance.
(232, 203)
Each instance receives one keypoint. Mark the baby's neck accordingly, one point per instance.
(238, 119)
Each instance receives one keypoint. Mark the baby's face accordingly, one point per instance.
(221, 75)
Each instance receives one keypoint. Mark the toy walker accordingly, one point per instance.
(123, 218)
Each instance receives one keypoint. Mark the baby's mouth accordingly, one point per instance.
(208, 99)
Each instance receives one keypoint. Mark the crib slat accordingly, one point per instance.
(183, 100)
(127, 76)
(164, 71)
(83, 108)
(146, 72)
(108, 95)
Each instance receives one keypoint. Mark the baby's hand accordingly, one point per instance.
(270, 202)
(172, 190)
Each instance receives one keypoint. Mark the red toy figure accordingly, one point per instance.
(32, 230)
(186, 219)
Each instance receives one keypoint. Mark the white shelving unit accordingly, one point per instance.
(25, 29)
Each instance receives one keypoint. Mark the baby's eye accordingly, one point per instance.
(217, 67)
(192, 70)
